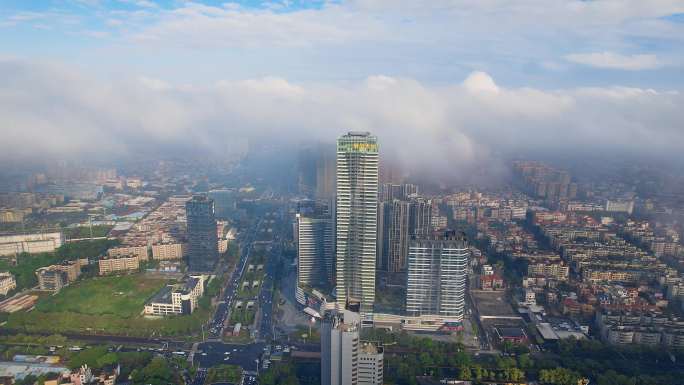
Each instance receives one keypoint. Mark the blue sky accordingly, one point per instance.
(546, 44)
(459, 79)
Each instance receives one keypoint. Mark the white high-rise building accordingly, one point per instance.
(357, 207)
(371, 360)
(437, 274)
(345, 360)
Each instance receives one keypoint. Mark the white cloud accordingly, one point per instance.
(480, 82)
(55, 111)
(613, 60)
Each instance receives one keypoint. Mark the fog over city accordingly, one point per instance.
(461, 123)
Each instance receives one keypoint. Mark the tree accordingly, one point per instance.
(157, 372)
(106, 360)
(558, 376)
(464, 373)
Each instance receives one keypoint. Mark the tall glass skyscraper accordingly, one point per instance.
(202, 236)
(315, 248)
(357, 209)
(437, 274)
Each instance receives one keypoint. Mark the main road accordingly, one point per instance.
(246, 240)
(248, 356)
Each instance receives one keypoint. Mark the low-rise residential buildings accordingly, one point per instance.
(620, 206)
(138, 251)
(167, 251)
(652, 329)
(180, 298)
(550, 270)
(120, 263)
(7, 283)
(55, 277)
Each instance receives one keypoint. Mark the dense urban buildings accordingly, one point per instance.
(202, 237)
(437, 275)
(356, 218)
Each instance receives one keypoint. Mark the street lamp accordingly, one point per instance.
(313, 321)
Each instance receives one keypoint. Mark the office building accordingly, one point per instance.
(202, 237)
(356, 214)
(436, 278)
(181, 298)
(315, 249)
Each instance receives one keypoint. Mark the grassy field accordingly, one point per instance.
(106, 305)
(122, 296)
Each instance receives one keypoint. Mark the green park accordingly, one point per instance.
(110, 305)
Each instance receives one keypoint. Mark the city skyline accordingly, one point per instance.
(341, 192)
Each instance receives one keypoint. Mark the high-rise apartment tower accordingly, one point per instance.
(436, 277)
(356, 213)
